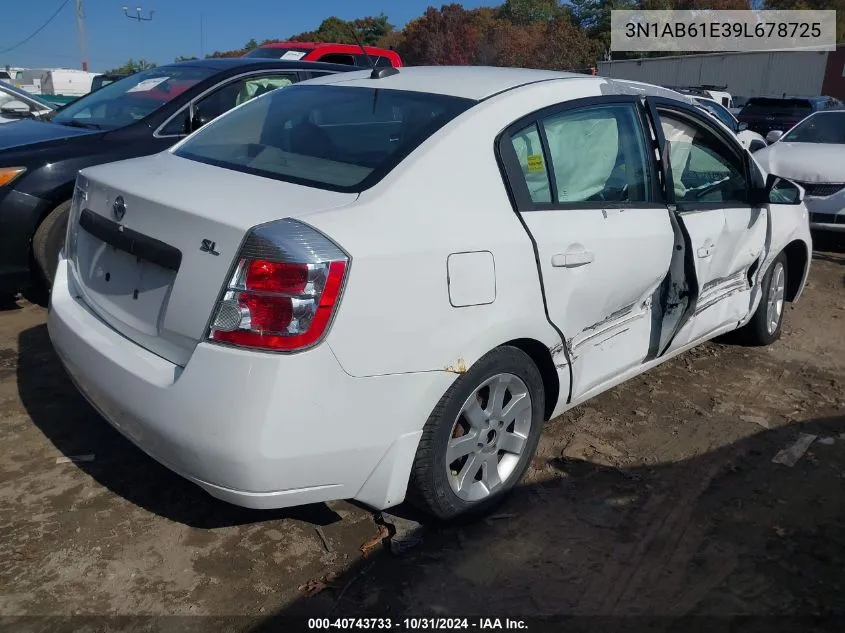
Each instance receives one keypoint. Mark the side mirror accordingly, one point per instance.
(16, 109)
(742, 127)
(782, 191)
(774, 136)
(756, 145)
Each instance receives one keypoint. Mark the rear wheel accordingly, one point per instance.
(765, 326)
(480, 438)
(48, 241)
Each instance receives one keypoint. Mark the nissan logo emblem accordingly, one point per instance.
(118, 209)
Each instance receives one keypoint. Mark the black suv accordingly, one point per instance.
(764, 114)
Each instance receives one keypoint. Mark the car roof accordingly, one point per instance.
(469, 82)
(789, 98)
(257, 63)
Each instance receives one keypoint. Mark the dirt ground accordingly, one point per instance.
(658, 498)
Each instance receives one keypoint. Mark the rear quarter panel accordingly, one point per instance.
(447, 197)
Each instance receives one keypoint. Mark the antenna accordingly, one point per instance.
(378, 73)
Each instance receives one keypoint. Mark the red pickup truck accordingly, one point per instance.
(324, 52)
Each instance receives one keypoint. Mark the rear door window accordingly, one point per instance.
(332, 137)
(594, 154)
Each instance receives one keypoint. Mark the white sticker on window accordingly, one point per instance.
(148, 84)
(293, 55)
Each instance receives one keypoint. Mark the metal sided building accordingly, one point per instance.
(747, 74)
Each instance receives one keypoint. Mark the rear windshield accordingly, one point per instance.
(778, 107)
(331, 137)
(826, 127)
(277, 52)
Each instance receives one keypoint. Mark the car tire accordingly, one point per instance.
(48, 241)
(498, 407)
(764, 328)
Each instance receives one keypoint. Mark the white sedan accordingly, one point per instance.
(813, 154)
(365, 285)
(17, 104)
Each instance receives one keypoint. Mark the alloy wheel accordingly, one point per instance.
(489, 437)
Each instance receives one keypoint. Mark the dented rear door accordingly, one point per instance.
(585, 184)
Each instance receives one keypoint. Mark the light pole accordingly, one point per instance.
(138, 17)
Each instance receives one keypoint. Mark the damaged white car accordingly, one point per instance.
(365, 285)
(813, 155)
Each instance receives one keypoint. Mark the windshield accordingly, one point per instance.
(825, 127)
(719, 111)
(278, 53)
(796, 108)
(330, 137)
(132, 98)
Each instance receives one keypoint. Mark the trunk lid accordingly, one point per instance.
(155, 272)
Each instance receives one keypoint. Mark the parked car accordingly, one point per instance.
(16, 104)
(764, 114)
(714, 93)
(356, 285)
(104, 79)
(349, 54)
(141, 114)
(750, 140)
(813, 155)
(738, 105)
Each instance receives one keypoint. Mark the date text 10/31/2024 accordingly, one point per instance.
(418, 624)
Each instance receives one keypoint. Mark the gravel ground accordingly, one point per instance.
(659, 497)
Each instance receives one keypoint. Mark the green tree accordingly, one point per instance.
(183, 58)
(593, 16)
(370, 30)
(133, 66)
(251, 44)
(522, 12)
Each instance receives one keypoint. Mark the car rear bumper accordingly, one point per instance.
(258, 430)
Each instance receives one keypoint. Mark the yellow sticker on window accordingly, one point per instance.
(535, 162)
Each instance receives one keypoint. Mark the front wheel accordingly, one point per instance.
(765, 326)
(481, 436)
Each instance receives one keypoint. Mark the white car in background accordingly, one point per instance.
(387, 281)
(752, 141)
(15, 104)
(813, 154)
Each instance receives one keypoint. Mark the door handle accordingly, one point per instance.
(572, 260)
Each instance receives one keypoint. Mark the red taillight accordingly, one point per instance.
(274, 304)
(283, 277)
